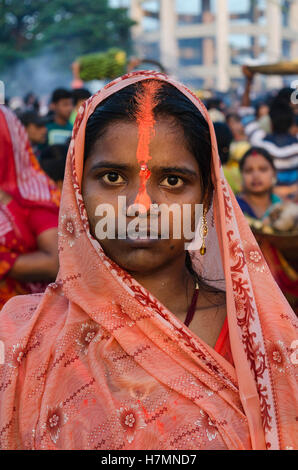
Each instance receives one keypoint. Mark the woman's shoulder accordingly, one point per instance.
(242, 202)
(19, 301)
(19, 307)
(24, 314)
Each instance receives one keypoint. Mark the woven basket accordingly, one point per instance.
(279, 68)
(286, 242)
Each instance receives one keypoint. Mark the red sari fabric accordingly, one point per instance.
(27, 225)
(97, 362)
(223, 346)
(34, 205)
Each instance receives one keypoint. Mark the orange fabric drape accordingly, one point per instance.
(98, 363)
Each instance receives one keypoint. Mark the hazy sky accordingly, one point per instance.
(193, 6)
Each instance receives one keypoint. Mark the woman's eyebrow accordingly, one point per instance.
(164, 169)
(175, 169)
(107, 164)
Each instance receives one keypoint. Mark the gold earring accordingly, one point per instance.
(204, 232)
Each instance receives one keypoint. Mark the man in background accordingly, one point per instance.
(60, 129)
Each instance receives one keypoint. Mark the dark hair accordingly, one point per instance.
(80, 94)
(52, 161)
(282, 116)
(234, 116)
(31, 101)
(285, 94)
(170, 102)
(122, 105)
(214, 103)
(31, 117)
(60, 94)
(255, 151)
(224, 139)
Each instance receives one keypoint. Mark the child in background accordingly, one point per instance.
(52, 162)
(60, 129)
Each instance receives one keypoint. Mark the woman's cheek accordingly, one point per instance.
(246, 180)
(90, 205)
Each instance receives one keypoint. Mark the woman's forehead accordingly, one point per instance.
(256, 159)
(120, 143)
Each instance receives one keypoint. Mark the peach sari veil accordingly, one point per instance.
(98, 363)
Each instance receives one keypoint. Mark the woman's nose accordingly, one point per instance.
(143, 198)
(139, 203)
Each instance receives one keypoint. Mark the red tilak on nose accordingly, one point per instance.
(146, 100)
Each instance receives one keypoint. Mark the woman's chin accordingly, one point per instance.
(143, 256)
(258, 189)
(140, 263)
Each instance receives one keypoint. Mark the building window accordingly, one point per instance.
(194, 12)
(188, 12)
(247, 11)
(151, 15)
(285, 11)
(190, 51)
(243, 48)
(286, 49)
(151, 51)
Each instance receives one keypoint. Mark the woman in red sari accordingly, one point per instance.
(28, 215)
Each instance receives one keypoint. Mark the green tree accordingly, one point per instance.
(69, 27)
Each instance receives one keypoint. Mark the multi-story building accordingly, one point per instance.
(205, 42)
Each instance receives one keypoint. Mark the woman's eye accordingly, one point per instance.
(172, 181)
(112, 178)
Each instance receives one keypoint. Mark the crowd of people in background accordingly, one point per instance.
(258, 147)
(257, 143)
(50, 134)
(33, 150)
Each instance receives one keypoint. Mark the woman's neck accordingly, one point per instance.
(172, 285)
(259, 202)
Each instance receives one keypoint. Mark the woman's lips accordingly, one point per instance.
(132, 235)
(141, 242)
(143, 239)
(256, 183)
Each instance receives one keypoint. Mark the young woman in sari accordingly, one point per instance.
(28, 215)
(258, 180)
(256, 200)
(140, 344)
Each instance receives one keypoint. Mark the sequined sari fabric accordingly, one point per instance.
(97, 362)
